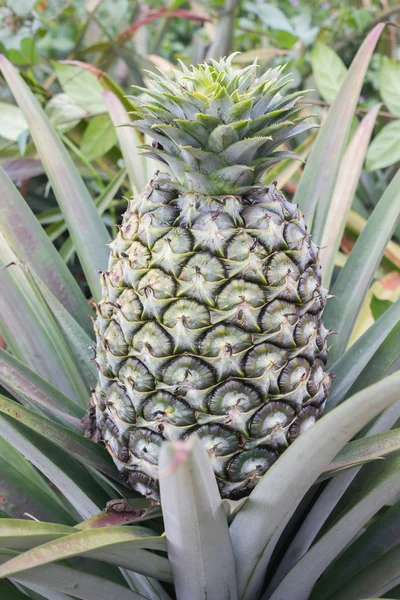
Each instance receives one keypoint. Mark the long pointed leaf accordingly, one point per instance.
(345, 188)
(123, 546)
(278, 494)
(22, 534)
(77, 339)
(364, 450)
(199, 546)
(129, 141)
(350, 365)
(74, 443)
(25, 383)
(79, 584)
(309, 568)
(327, 501)
(382, 535)
(378, 578)
(31, 332)
(318, 180)
(102, 202)
(28, 240)
(64, 475)
(84, 223)
(381, 363)
(355, 277)
(24, 490)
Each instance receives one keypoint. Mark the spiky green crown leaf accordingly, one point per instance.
(216, 128)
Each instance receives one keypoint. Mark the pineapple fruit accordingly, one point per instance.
(210, 322)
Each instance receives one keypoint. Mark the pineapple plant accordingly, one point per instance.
(322, 522)
(210, 321)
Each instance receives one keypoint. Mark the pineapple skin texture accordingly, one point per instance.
(210, 323)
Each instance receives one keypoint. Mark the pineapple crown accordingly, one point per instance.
(215, 128)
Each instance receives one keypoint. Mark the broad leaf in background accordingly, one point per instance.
(64, 113)
(273, 17)
(82, 86)
(99, 137)
(385, 147)
(12, 122)
(26, 55)
(389, 84)
(329, 71)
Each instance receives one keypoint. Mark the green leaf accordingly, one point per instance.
(12, 122)
(82, 86)
(27, 55)
(329, 500)
(378, 306)
(64, 113)
(31, 332)
(84, 223)
(78, 341)
(127, 547)
(73, 481)
(329, 71)
(389, 84)
(103, 201)
(355, 277)
(320, 174)
(343, 194)
(25, 384)
(21, 534)
(10, 592)
(380, 536)
(80, 584)
(21, 7)
(273, 17)
(31, 244)
(384, 150)
(278, 494)
(364, 450)
(99, 137)
(74, 443)
(382, 361)
(309, 568)
(130, 141)
(196, 522)
(24, 490)
(349, 366)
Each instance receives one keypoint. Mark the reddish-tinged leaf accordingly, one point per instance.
(164, 13)
(122, 512)
(20, 169)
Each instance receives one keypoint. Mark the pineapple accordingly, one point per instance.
(210, 321)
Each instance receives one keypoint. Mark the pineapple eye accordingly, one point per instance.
(233, 394)
(307, 417)
(190, 371)
(166, 407)
(145, 444)
(218, 440)
(272, 416)
(251, 463)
